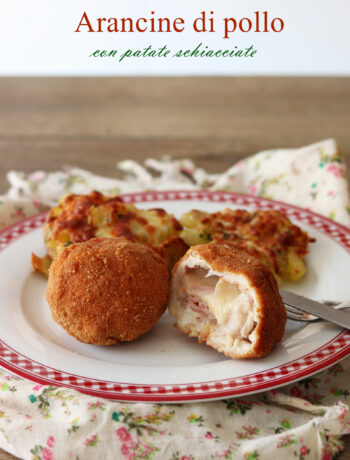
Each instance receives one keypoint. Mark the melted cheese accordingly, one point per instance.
(267, 235)
(232, 307)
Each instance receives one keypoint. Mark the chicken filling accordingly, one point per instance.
(218, 302)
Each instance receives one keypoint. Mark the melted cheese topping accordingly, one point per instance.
(267, 235)
(78, 218)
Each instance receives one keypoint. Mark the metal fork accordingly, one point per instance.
(297, 315)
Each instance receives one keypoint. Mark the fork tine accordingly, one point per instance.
(293, 309)
(297, 315)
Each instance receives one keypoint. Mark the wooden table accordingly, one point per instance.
(49, 122)
(93, 123)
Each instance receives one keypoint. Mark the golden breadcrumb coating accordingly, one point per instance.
(107, 290)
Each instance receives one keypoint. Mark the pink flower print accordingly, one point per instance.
(18, 212)
(253, 189)
(127, 453)
(248, 433)
(336, 170)
(36, 204)
(342, 412)
(240, 163)
(294, 169)
(188, 171)
(286, 440)
(95, 405)
(92, 441)
(50, 441)
(250, 429)
(123, 434)
(147, 450)
(185, 457)
(327, 456)
(304, 450)
(47, 454)
(37, 387)
(37, 176)
(208, 435)
(295, 391)
(330, 193)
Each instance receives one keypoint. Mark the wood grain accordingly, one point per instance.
(93, 123)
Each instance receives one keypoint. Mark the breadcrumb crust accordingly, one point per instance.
(107, 290)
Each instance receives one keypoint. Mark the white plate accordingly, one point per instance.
(164, 364)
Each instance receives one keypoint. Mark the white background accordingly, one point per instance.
(37, 38)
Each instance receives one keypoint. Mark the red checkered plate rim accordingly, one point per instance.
(321, 358)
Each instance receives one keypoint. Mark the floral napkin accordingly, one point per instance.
(300, 421)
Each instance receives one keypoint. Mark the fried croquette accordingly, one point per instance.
(228, 299)
(107, 290)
